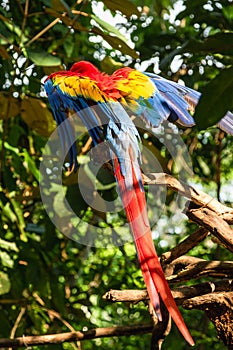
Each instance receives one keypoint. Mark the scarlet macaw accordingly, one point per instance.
(125, 92)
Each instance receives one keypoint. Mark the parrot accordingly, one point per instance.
(106, 104)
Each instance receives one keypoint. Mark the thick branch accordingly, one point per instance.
(179, 293)
(194, 195)
(215, 224)
(75, 336)
(202, 268)
(186, 245)
(219, 309)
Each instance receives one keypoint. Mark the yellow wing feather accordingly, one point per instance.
(75, 86)
(136, 85)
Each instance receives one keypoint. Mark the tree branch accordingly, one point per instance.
(183, 247)
(203, 268)
(180, 294)
(219, 309)
(27, 341)
(200, 198)
(212, 222)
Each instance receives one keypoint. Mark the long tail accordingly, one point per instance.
(135, 206)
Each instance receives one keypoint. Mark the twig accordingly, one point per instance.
(17, 322)
(38, 35)
(25, 16)
(75, 336)
(54, 314)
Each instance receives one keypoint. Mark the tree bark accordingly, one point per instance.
(219, 309)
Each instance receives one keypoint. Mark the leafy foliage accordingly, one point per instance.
(54, 283)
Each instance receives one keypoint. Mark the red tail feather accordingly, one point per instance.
(135, 206)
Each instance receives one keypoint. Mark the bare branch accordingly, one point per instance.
(218, 227)
(75, 336)
(128, 295)
(219, 309)
(203, 268)
(194, 195)
(179, 293)
(182, 248)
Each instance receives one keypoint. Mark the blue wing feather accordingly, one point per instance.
(179, 100)
(111, 121)
(104, 121)
(176, 100)
(66, 133)
(226, 123)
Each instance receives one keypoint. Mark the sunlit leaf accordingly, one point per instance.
(8, 213)
(109, 28)
(5, 284)
(109, 65)
(20, 218)
(6, 259)
(8, 245)
(36, 114)
(30, 165)
(13, 28)
(11, 148)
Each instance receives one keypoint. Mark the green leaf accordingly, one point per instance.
(69, 45)
(109, 28)
(109, 65)
(8, 213)
(218, 43)
(5, 284)
(228, 12)
(13, 28)
(11, 148)
(20, 218)
(116, 43)
(215, 102)
(42, 58)
(126, 7)
(30, 164)
(6, 259)
(8, 245)
(192, 8)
